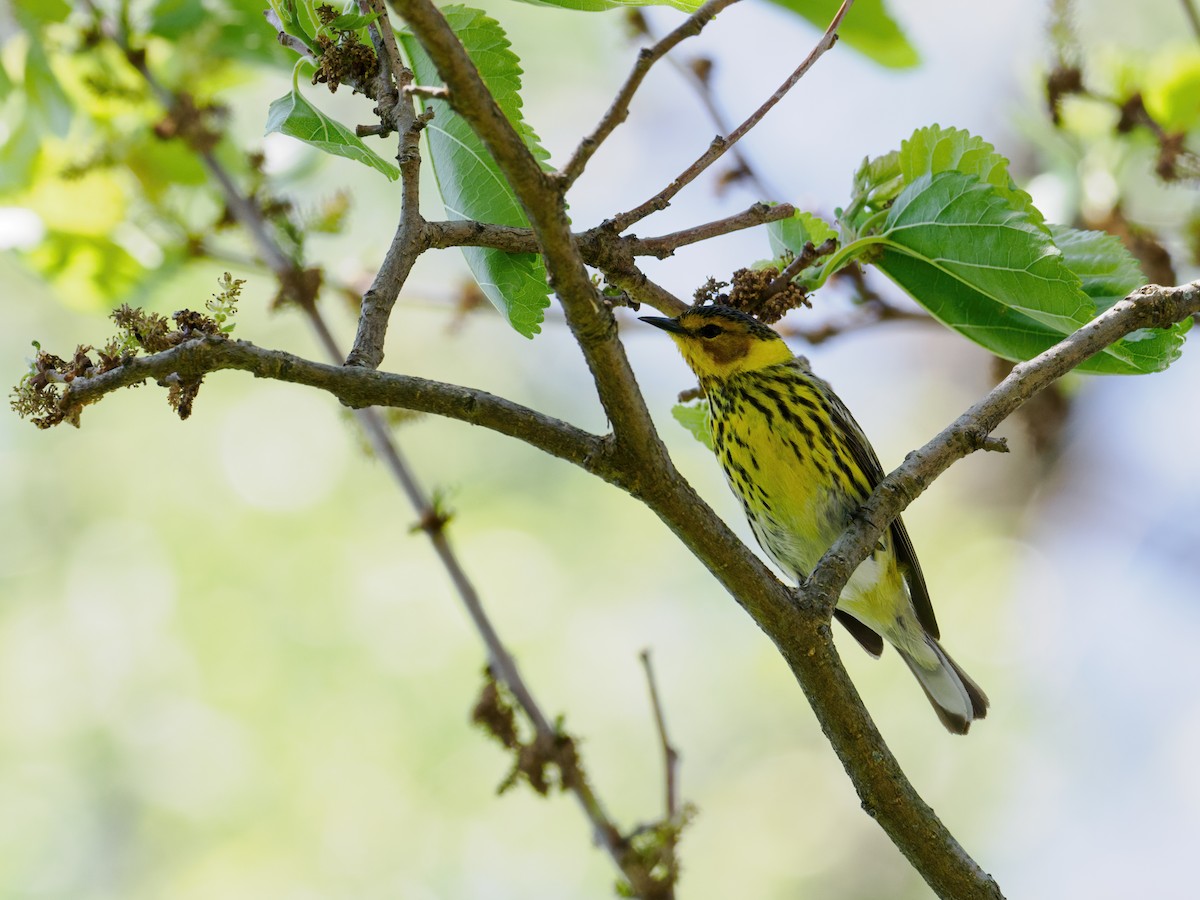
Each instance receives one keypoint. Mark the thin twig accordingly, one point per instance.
(428, 92)
(641, 289)
(807, 256)
(670, 779)
(293, 43)
(720, 145)
(596, 244)
(670, 754)
(667, 244)
(697, 74)
(353, 386)
(391, 51)
(618, 112)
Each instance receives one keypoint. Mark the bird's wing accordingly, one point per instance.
(870, 639)
(865, 458)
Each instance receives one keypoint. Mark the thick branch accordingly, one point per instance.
(354, 386)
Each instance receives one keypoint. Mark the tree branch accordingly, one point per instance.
(354, 386)
(596, 243)
(408, 243)
(618, 112)
(671, 811)
(670, 754)
(717, 148)
(698, 74)
(667, 244)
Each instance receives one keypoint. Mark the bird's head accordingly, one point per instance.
(718, 342)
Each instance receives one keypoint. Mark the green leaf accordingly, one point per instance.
(294, 116)
(694, 417)
(935, 149)
(991, 272)
(469, 179)
(868, 28)
(1109, 273)
(929, 151)
(968, 229)
(788, 236)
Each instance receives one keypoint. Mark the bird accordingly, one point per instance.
(802, 468)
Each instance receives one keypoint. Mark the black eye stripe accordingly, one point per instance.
(710, 330)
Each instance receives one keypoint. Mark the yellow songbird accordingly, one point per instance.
(802, 467)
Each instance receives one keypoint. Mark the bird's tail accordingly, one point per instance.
(956, 699)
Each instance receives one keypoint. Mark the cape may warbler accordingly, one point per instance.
(802, 467)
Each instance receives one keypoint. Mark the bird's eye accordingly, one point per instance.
(710, 331)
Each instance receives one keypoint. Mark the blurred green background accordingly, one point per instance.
(228, 670)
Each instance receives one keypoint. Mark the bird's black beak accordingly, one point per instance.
(665, 324)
